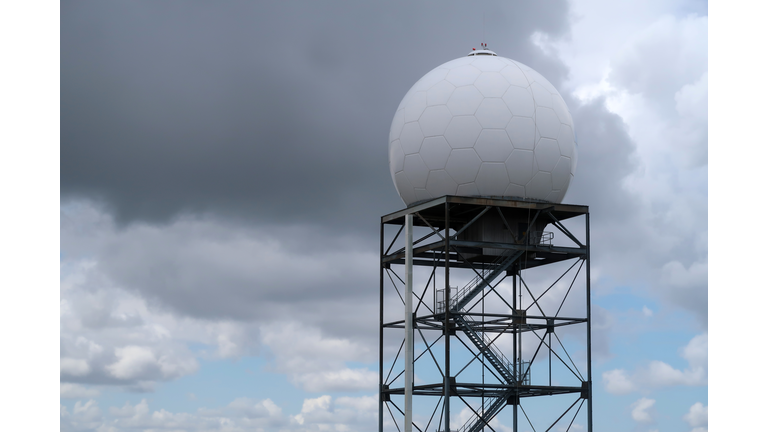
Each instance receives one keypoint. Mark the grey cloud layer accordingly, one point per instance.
(168, 109)
(273, 111)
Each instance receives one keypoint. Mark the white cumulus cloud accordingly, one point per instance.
(73, 366)
(658, 374)
(133, 361)
(339, 380)
(697, 416)
(76, 391)
(641, 410)
(617, 381)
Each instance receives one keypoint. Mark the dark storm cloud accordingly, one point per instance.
(274, 111)
(633, 243)
(606, 157)
(273, 114)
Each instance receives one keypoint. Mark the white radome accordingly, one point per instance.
(482, 125)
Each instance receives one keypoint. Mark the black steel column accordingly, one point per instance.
(447, 324)
(515, 356)
(589, 332)
(381, 327)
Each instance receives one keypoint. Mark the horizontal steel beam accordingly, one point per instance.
(500, 318)
(549, 253)
(416, 251)
(496, 327)
(563, 211)
(543, 258)
(487, 390)
(530, 248)
(410, 210)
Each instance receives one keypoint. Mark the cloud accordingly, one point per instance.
(104, 315)
(75, 391)
(212, 187)
(647, 312)
(687, 285)
(310, 407)
(185, 116)
(653, 76)
(641, 410)
(240, 414)
(210, 269)
(697, 351)
(308, 349)
(697, 416)
(139, 416)
(109, 302)
(316, 362)
(691, 134)
(658, 374)
(662, 58)
(84, 416)
(661, 374)
(336, 381)
(133, 353)
(72, 366)
(255, 409)
(133, 366)
(617, 382)
(324, 413)
(368, 403)
(140, 363)
(132, 361)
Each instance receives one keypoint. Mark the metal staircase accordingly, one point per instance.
(484, 344)
(495, 357)
(491, 407)
(458, 301)
(499, 362)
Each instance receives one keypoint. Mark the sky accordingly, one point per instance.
(223, 168)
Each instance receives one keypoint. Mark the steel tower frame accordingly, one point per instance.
(457, 240)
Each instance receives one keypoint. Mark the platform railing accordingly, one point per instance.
(541, 238)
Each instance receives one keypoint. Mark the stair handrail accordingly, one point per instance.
(453, 301)
(479, 278)
(488, 342)
(488, 407)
